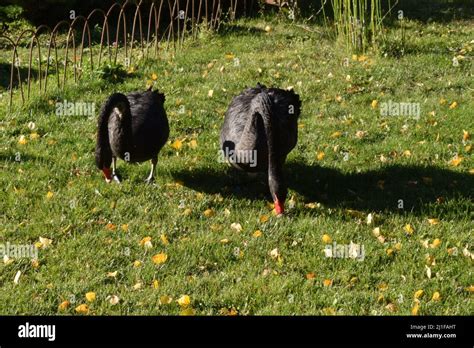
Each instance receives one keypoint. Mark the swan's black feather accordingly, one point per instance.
(264, 121)
(132, 127)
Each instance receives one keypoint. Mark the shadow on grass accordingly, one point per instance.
(18, 157)
(5, 74)
(381, 189)
(373, 190)
(239, 30)
(442, 11)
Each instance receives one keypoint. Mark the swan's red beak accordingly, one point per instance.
(107, 174)
(279, 206)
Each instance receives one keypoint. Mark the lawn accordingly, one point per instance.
(399, 185)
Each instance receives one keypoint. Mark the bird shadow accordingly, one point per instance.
(393, 188)
(228, 182)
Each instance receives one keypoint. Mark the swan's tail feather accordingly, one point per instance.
(103, 152)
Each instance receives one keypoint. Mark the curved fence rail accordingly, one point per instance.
(137, 28)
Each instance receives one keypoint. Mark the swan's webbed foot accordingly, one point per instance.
(116, 178)
(151, 178)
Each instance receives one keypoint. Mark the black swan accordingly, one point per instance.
(133, 128)
(260, 129)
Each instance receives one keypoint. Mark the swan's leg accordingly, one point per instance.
(114, 166)
(151, 177)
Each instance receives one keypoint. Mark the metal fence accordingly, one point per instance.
(127, 28)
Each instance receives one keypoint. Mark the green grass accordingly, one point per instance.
(241, 274)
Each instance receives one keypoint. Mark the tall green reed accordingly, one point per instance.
(357, 22)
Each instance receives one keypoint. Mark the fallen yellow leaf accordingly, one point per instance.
(184, 301)
(436, 296)
(164, 239)
(45, 242)
(209, 213)
(326, 239)
(34, 263)
(418, 294)
(145, 240)
(257, 234)
(159, 258)
(110, 226)
(327, 282)
(90, 296)
(82, 309)
(165, 299)
(329, 311)
(456, 161)
(193, 144)
(177, 144)
(465, 136)
(187, 312)
(409, 229)
(436, 243)
(64, 305)
(264, 218)
(320, 156)
(433, 221)
(391, 307)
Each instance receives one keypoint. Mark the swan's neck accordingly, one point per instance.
(262, 105)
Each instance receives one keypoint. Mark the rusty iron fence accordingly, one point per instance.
(159, 22)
